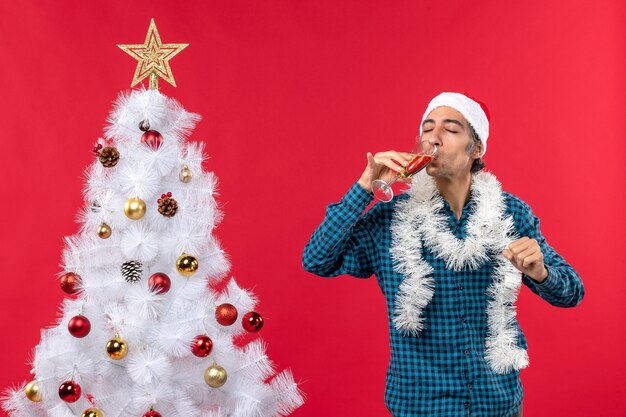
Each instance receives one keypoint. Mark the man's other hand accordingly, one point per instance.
(525, 254)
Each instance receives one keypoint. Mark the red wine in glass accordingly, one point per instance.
(417, 163)
(382, 190)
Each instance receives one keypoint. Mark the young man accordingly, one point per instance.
(450, 256)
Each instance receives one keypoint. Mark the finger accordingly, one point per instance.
(385, 154)
(524, 246)
(401, 158)
(404, 157)
(518, 242)
(389, 163)
(532, 259)
(376, 163)
(507, 254)
(520, 257)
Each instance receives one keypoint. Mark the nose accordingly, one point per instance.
(435, 139)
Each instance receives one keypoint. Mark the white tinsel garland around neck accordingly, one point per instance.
(419, 221)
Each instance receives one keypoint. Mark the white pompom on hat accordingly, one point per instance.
(475, 112)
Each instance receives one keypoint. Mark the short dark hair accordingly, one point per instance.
(477, 164)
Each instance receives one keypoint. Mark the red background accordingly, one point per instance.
(293, 95)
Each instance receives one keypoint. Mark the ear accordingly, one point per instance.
(478, 150)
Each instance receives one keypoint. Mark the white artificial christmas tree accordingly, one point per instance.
(144, 333)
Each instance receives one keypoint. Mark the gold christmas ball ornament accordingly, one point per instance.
(92, 412)
(187, 265)
(33, 392)
(135, 208)
(104, 231)
(215, 376)
(117, 348)
(185, 174)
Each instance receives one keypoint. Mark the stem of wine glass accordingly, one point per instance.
(391, 181)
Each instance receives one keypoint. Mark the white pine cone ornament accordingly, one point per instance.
(131, 271)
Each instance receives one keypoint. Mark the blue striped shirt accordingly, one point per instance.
(442, 371)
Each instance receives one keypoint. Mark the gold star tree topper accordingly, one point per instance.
(153, 58)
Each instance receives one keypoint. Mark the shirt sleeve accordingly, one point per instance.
(563, 286)
(342, 243)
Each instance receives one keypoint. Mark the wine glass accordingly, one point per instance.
(422, 153)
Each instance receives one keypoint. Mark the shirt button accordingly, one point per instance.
(469, 385)
(466, 351)
(467, 404)
(460, 287)
(462, 319)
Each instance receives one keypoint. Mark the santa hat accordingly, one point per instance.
(475, 113)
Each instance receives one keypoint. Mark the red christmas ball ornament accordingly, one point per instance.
(69, 282)
(69, 391)
(159, 283)
(152, 413)
(152, 139)
(202, 346)
(252, 321)
(226, 314)
(79, 326)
